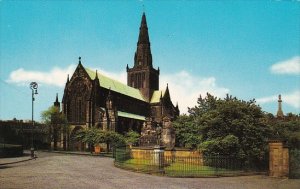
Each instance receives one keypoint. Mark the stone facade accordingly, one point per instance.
(93, 100)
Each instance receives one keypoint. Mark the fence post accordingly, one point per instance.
(159, 156)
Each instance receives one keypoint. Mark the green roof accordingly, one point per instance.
(132, 116)
(156, 96)
(114, 85)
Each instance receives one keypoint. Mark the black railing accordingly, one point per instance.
(177, 166)
(294, 164)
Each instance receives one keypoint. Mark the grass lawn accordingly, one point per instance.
(178, 169)
(192, 170)
(140, 165)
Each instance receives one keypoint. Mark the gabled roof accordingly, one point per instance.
(156, 96)
(114, 85)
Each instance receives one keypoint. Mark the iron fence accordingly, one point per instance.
(294, 164)
(182, 166)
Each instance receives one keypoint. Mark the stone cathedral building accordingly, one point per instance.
(92, 99)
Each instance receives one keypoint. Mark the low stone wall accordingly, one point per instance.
(183, 155)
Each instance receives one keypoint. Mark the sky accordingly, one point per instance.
(248, 49)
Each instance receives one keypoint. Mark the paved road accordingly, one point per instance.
(74, 171)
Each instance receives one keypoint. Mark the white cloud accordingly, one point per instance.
(290, 66)
(55, 77)
(292, 99)
(184, 87)
(265, 100)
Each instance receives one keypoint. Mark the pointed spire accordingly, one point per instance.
(96, 77)
(167, 89)
(143, 36)
(143, 56)
(68, 80)
(56, 103)
(79, 60)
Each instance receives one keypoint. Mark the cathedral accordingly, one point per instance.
(92, 99)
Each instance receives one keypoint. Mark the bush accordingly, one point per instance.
(9, 150)
(294, 164)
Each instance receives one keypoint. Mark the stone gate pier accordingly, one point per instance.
(278, 158)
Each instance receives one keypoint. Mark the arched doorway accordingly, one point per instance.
(74, 144)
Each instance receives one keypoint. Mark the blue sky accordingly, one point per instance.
(249, 49)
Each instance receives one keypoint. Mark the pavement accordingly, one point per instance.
(13, 160)
(57, 170)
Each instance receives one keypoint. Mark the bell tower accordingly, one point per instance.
(143, 76)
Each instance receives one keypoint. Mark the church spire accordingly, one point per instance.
(143, 56)
(143, 76)
(279, 111)
(56, 103)
(144, 36)
(56, 97)
(96, 77)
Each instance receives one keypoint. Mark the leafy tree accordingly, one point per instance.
(226, 126)
(287, 129)
(187, 132)
(132, 137)
(94, 136)
(56, 123)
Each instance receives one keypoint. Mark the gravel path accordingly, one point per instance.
(51, 171)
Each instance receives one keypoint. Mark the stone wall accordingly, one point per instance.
(179, 154)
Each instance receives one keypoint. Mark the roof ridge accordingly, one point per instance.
(124, 88)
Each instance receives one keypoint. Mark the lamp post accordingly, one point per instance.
(33, 87)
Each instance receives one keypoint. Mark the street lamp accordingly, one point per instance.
(33, 87)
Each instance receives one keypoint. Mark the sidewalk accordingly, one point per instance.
(12, 160)
(102, 154)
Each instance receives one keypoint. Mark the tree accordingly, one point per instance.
(287, 129)
(187, 132)
(226, 126)
(132, 137)
(56, 123)
(94, 136)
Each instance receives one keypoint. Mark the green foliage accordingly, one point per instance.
(53, 116)
(224, 126)
(187, 132)
(229, 146)
(55, 122)
(287, 129)
(294, 163)
(95, 136)
(132, 137)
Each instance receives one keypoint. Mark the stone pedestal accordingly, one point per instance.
(278, 159)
